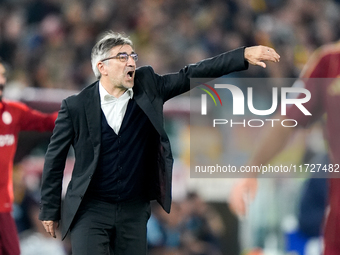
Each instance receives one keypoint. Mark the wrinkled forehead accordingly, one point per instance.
(125, 48)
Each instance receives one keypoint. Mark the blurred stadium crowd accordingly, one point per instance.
(47, 44)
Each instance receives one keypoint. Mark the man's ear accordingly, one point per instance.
(102, 68)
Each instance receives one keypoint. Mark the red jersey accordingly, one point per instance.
(325, 95)
(325, 99)
(16, 117)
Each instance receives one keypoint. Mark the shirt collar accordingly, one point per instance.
(103, 93)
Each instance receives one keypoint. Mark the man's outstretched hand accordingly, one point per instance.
(255, 55)
(241, 195)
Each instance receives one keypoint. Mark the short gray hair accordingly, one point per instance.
(102, 48)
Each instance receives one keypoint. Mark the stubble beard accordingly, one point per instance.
(126, 84)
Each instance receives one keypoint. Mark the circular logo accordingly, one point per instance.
(7, 118)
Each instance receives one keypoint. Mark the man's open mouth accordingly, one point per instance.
(130, 74)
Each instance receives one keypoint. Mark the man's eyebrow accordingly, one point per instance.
(124, 52)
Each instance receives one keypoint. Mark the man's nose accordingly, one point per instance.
(131, 61)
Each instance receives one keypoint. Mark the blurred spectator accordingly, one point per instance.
(33, 237)
(49, 40)
(192, 228)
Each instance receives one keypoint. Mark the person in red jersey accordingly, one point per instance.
(14, 117)
(325, 101)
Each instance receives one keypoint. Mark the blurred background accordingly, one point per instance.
(47, 44)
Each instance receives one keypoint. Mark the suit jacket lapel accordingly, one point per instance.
(93, 114)
(93, 111)
(145, 104)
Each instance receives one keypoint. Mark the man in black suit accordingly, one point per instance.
(123, 157)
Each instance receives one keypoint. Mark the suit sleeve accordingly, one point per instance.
(55, 160)
(174, 84)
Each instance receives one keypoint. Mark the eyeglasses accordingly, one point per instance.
(123, 57)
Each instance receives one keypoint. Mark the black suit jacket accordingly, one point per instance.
(79, 125)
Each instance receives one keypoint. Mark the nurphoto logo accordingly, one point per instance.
(238, 103)
(230, 115)
(204, 98)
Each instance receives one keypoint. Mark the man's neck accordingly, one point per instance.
(113, 91)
